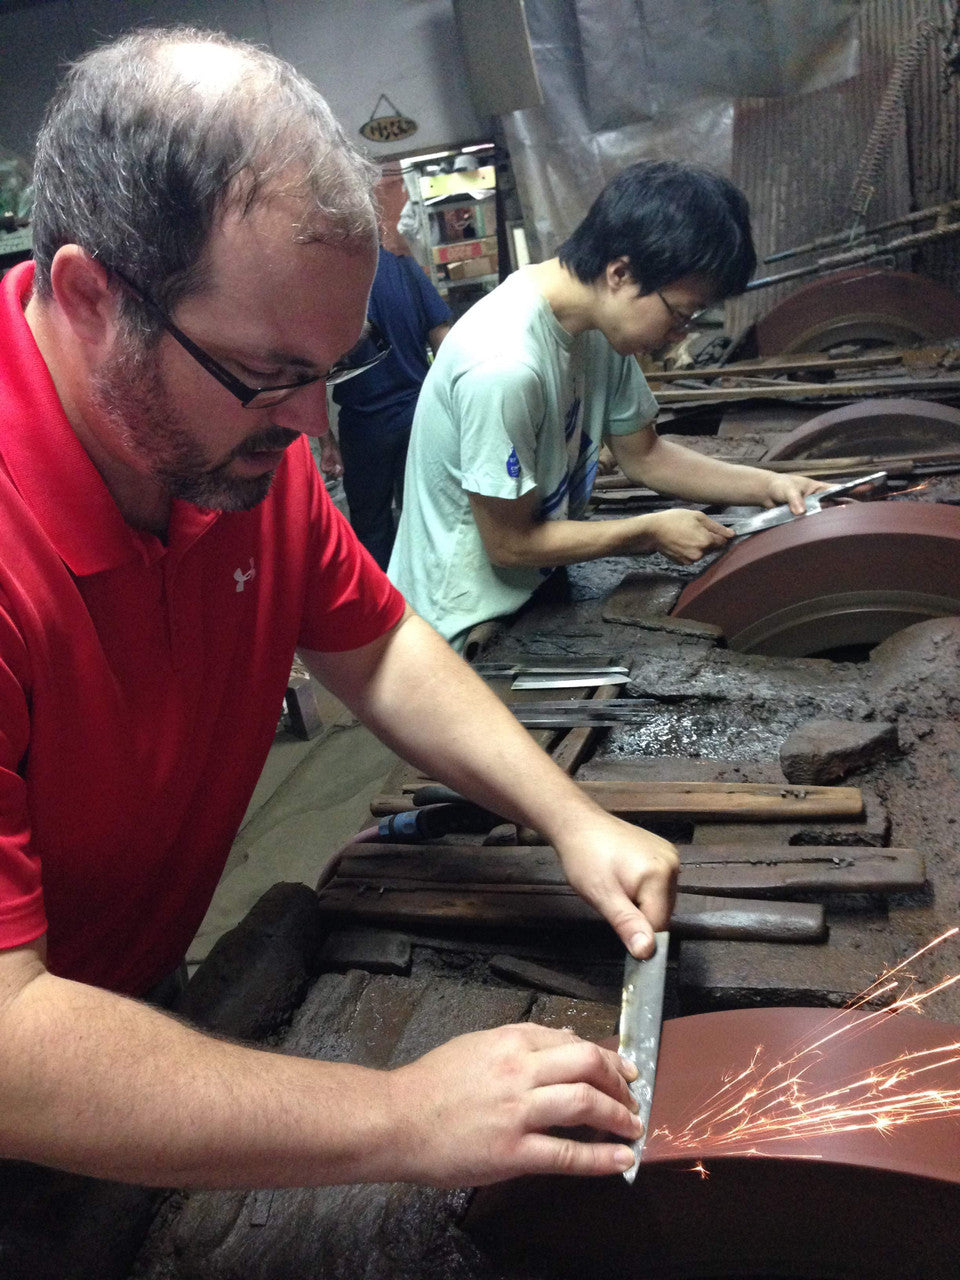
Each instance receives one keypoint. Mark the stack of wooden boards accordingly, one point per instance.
(742, 888)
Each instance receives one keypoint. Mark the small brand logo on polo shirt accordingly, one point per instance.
(513, 464)
(242, 578)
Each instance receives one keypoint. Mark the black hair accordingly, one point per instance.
(668, 220)
(151, 138)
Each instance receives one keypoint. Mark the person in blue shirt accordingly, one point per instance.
(376, 408)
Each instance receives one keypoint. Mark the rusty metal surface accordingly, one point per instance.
(795, 157)
(862, 305)
(848, 576)
(819, 1208)
(872, 428)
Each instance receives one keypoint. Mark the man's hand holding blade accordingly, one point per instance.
(482, 1107)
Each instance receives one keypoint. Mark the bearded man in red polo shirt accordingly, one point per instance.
(205, 243)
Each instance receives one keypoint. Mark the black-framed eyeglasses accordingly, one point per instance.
(682, 322)
(357, 360)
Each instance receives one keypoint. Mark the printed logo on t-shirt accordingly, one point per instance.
(513, 464)
(242, 578)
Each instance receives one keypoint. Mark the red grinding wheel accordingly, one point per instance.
(857, 1205)
(851, 575)
(862, 305)
(881, 428)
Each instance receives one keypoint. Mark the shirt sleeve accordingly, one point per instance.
(632, 404)
(435, 310)
(499, 408)
(349, 600)
(22, 915)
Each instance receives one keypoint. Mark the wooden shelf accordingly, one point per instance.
(458, 284)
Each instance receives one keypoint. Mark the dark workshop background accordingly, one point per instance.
(733, 105)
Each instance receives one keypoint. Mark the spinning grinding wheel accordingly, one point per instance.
(869, 1203)
(852, 575)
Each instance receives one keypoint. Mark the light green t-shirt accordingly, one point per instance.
(512, 403)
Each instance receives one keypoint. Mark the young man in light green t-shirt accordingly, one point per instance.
(540, 373)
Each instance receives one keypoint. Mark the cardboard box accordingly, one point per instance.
(463, 249)
(458, 252)
(471, 267)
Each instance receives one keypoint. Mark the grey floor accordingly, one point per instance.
(311, 799)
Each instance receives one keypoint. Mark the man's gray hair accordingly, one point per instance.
(140, 156)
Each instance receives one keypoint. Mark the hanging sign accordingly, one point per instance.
(387, 128)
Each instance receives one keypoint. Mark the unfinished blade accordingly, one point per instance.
(641, 1015)
(587, 680)
(743, 526)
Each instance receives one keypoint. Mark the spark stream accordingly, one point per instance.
(763, 1105)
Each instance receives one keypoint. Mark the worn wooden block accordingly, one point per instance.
(871, 828)
(542, 978)
(724, 801)
(782, 871)
(530, 906)
(700, 916)
(643, 593)
(700, 801)
(738, 974)
(590, 1019)
(738, 869)
(375, 950)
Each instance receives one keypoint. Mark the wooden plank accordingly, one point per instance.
(894, 386)
(788, 364)
(716, 869)
(376, 950)
(821, 869)
(542, 978)
(542, 906)
(702, 801)
(726, 801)
(696, 916)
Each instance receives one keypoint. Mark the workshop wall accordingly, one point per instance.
(406, 49)
(796, 156)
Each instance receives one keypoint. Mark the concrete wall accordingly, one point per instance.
(353, 50)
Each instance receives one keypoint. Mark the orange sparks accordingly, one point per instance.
(763, 1104)
(914, 488)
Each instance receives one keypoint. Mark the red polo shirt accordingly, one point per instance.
(140, 683)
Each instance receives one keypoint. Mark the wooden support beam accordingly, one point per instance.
(701, 801)
(412, 902)
(929, 357)
(893, 386)
(713, 869)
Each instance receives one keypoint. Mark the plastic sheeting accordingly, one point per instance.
(627, 80)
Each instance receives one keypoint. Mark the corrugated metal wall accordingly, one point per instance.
(796, 157)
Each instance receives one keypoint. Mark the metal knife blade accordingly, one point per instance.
(641, 1015)
(743, 526)
(589, 680)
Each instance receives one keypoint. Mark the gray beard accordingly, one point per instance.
(130, 393)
